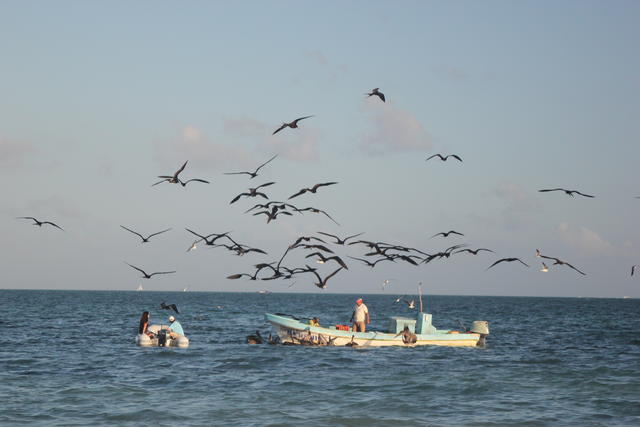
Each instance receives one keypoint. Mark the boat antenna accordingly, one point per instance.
(420, 295)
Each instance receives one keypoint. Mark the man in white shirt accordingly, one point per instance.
(360, 316)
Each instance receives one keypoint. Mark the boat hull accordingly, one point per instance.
(292, 331)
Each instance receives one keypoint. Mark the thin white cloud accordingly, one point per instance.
(392, 130)
(13, 153)
(587, 242)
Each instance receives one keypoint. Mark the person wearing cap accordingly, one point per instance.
(175, 327)
(360, 317)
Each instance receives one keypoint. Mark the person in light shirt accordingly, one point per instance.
(360, 317)
(175, 327)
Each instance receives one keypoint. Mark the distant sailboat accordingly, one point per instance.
(184, 289)
(139, 288)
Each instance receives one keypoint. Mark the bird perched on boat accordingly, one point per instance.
(444, 158)
(352, 343)
(148, 276)
(508, 260)
(376, 92)
(184, 183)
(557, 261)
(254, 173)
(446, 234)
(292, 125)
(255, 339)
(544, 268)
(172, 179)
(311, 190)
(569, 192)
(340, 241)
(145, 239)
(253, 192)
(173, 307)
(40, 223)
(322, 259)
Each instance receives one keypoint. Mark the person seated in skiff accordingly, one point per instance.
(175, 328)
(314, 322)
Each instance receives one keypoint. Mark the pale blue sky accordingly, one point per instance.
(97, 99)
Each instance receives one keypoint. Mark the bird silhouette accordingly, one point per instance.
(322, 259)
(312, 189)
(173, 179)
(376, 92)
(446, 234)
(144, 239)
(444, 158)
(316, 210)
(254, 173)
(253, 192)
(322, 283)
(508, 260)
(372, 264)
(148, 276)
(340, 241)
(293, 124)
(472, 251)
(184, 183)
(569, 192)
(40, 223)
(173, 307)
(557, 261)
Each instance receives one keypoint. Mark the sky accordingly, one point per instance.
(97, 99)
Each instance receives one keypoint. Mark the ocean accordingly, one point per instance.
(69, 358)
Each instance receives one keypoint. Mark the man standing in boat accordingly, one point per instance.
(360, 317)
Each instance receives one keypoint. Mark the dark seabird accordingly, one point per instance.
(169, 307)
(254, 173)
(144, 239)
(377, 93)
(312, 189)
(148, 276)
(40, 223)
(444, 158)
(293, 124)
(508, 260)
(569, 192)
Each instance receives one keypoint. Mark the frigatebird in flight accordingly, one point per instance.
(254, 173)
(377, 93)
(293, 124)
(40, 223)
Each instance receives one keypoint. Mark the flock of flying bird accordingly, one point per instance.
(316, 247)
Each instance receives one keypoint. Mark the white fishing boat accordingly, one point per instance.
(292, 330)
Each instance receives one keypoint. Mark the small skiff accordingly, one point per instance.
(162, 338)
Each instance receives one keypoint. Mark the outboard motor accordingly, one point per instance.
(480, 327)
(162, 338)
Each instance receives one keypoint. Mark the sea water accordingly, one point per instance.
(69, 358)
